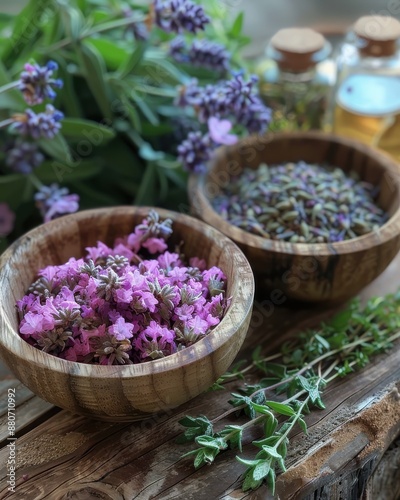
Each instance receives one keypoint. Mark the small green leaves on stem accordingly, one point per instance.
(310, 362)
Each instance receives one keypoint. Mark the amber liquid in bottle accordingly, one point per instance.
(368, 109)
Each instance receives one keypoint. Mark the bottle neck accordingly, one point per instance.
(305, 76)
(376, 48)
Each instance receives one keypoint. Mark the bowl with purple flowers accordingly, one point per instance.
(122, 312)
(317, 215)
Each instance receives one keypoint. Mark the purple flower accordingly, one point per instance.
(219, 131)
(37, 82)
(121, 329)
(195, 152)
(84, 311)
(209, 55)
(23, 157)
(256, 117)
(178, 15)
(177, 50)
(38, 125)
(53, 201)
(7, 218)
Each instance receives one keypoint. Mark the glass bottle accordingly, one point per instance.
(296, 78)
(367, 96)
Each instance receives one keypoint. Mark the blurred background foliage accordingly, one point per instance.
(118, 140)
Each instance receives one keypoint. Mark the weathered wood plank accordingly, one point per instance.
(28, 407)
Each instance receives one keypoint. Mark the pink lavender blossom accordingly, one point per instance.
(123, 306)
(53, 201)
(219, 131)
(37, 82)
(7, 218)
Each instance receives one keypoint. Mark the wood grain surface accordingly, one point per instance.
(121, 393)
(335, 271)
(67, 456)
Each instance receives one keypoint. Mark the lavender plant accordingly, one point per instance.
(103, 104)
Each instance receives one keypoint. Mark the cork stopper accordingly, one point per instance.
(296, 47)
(378, 35)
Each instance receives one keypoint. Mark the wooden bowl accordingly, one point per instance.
(307, 272)
(121, 393)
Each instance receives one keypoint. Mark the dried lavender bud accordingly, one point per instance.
(54, 340)
(301, 203)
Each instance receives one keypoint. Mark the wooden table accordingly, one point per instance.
(350, 452)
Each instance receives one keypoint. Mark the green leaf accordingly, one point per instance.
(302, 425)
(271, 481)
(129, 64)
(248, 463)
(26, 29)
(211, 442)
(272, 452)
(113, 55)
(261, 470)
(146, 193)
(341, 320)
(323, 341)
(199, 460)
(93, 68)
(74, 22)
(270, 424)
(87, 130)
(54, 171)
(236, 434)
(237, 25)
(210, 454)
(249, 482)
(144, 107)
(281, 408)
(148, 153)
(56, 148)
(69, 99)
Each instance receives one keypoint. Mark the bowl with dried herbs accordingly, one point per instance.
(119, 313)
(317, 215)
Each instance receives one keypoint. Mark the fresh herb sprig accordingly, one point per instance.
(311, 361)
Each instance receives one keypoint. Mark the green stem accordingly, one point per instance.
(119, 23)
(292, 422)
(35, 181)
(9, 86)
(6, 123)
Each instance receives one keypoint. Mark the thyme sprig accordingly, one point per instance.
(287, 391)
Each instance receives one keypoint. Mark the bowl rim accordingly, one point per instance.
(232, 321)
(204, 209)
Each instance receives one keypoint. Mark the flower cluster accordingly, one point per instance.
(202, 53)
(53, 201)
(37, 82)
(128, 304)
(221, 105)
(37, 125)
(175, 16)
(23, 157)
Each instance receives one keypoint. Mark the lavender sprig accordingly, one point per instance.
(176, 16)
(53, 201)
(37, 82)
(38, 125)
(23, 157)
